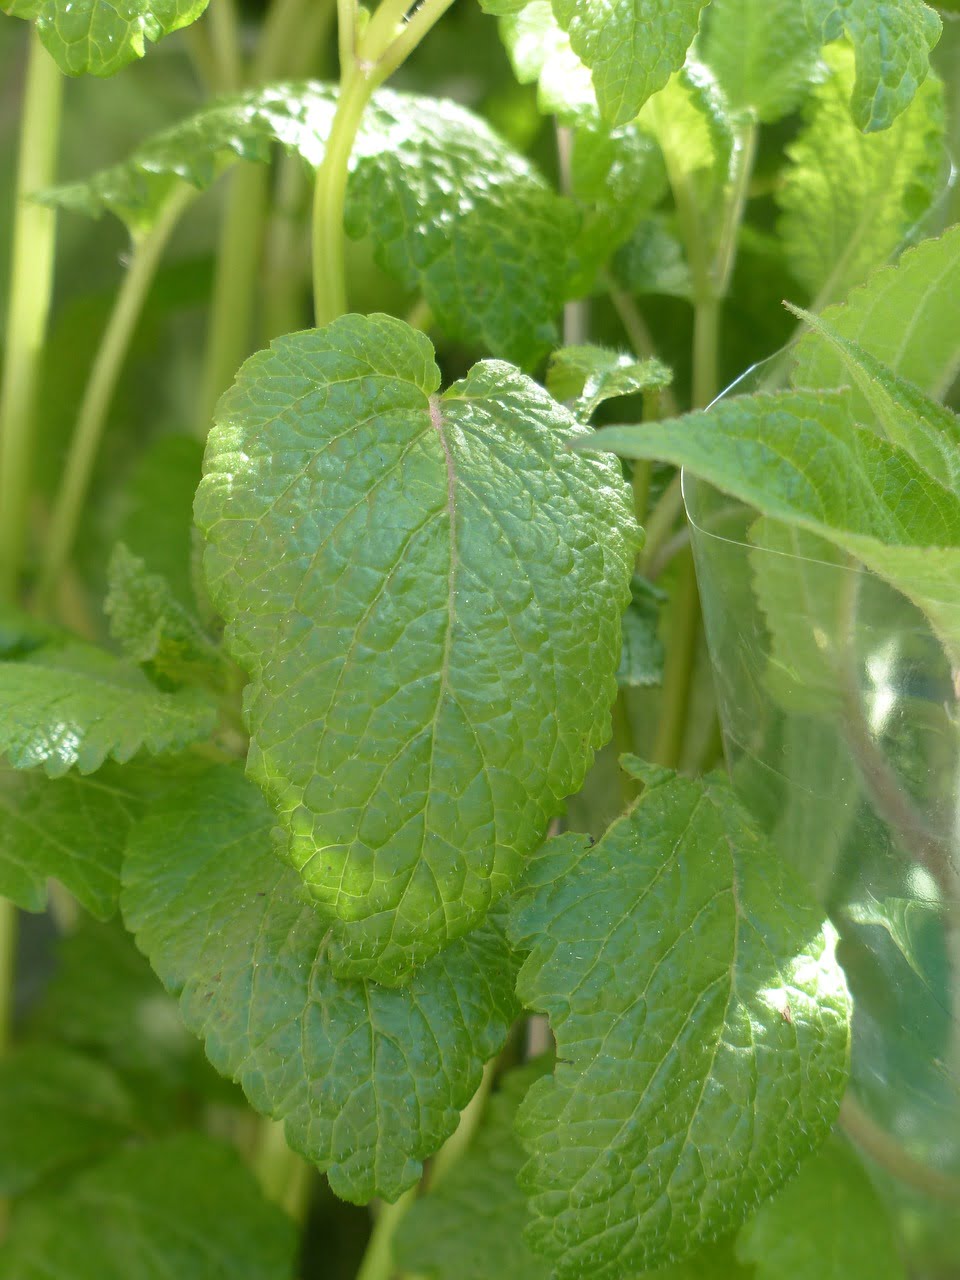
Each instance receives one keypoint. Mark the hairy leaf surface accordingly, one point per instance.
(892, 39)
(451, 209)
(828, 1224)
(449, 1232)
(701, 1023)
(369, 1081)
(907, 315)
(426, 591)
(72, 829)
(77, 706)
(631, 46)
(800, 457)
(583, 377)
(98, 37)
(184, 1208)
(57, 1109)
(762, 54)
(849, 199)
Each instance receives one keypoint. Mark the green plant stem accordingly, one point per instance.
(234, 287)
(377, 1262)
(31, 287)
(286, 253)
(225, 44)
(678, 668)
(459, 1141)
(744, 157)
(890, 1156)
(8, 949)
(283, 1175)
(290, 36)
(99, 391)
(638, 335)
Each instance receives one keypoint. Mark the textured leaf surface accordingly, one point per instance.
(181, 1209)
(892, 39)
(72, 829)
(57, 1109)
(77, 706)
(690, 120)
(426, 590)
(451, 209)
(642, 656)
(701, 1023)
(153, 628)
(540, 53)
(849, 199)
(762, 54)
(907, 315)
(583, 377)
(631, 46)
(828, 1224)
(99, 37)
(369, 1081)
(450, 1233)
(800, 458)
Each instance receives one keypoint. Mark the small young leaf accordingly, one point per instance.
(652, 261)
(369, 1081)
(77, 706)
(702, 1031)
(98, 37)
(448, 1233)
(828, 1224)
(799, 457)
(57, 1109)
(583, 377)
(631, 46)
(850, 199)
(907, 315)
(451, 209)
(762, 54)
(153, 628)
(428, 680)
(892, 42)
(71, 829)
(184, 1208)
(690, 119)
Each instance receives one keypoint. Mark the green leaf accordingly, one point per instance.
(907, 315)
(451, 209)
(184, 1208)
(369, 1081)
(800, 458)
(762, 54)
(57, 1109)
(892, 39)
(898, 409)
(701, 1023)
(583, 377)
(77, 706)
(642, 656)
(652, 261)
(631, 46)
(98, 37)
(828, 1224)
(71, 829)
(153, 628)
(447, 1235)
(850, 199)
(540, 53)
(690, 119)
(428, 684)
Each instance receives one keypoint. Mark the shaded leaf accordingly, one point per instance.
(98, 37)
(701, 1023)
(369, 1081)
(828, 1224)
(57, 1109)
(892, 39)
(583, 377)
(850, 199)
(642, 656)
(72, 829)
(451, 209)
(652, 261)
(434, 660)
(184, 1208)
(77, 706)
(762, 54)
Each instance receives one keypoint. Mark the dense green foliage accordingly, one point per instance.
(364, 834)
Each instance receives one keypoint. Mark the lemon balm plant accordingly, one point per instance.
(357, 733)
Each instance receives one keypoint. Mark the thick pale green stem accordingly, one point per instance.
(225, 44)
(235, 286)
(31, 285)
(100, 389)
(377, 1263)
